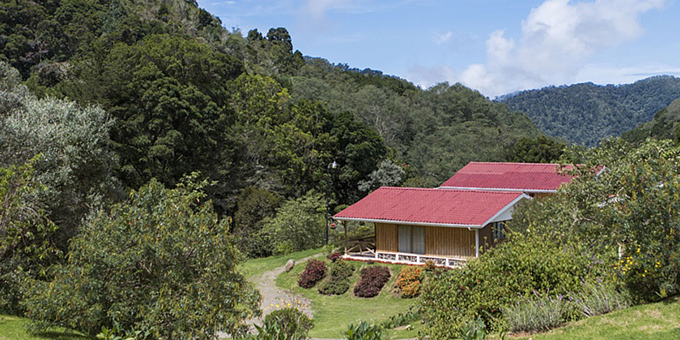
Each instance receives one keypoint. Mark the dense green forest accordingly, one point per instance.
(181, 94)
(587, 113)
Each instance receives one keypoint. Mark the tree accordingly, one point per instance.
(161, 262)
(254, 205)
(538, 150)
(631, 209)
(26, 249)
(298, 224)
(76, 167)
(388, 174)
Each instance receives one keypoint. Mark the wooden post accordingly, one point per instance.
(344, 224)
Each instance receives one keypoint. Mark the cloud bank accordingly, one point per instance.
(557, 40)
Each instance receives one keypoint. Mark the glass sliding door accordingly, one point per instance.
(404, 239)
(418, 240)
(411, 239)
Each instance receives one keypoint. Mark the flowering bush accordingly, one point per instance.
(313, 273)
(373, 279)
(409, 281)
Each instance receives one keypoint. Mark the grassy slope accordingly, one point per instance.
(653, 321)
(12, 327)
(332, 314)
(254, 267)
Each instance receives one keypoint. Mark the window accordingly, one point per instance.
(411, 239)
(498, 230)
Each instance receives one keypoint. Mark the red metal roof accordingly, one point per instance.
(511, 176)
(430, 206)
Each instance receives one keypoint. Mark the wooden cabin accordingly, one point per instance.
(416, 225)
(450, 224)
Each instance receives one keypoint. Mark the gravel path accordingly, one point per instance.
(273, 295)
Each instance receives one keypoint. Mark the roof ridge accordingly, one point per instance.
(513, 163)
(450, 190)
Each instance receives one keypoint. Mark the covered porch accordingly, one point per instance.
(417, 244)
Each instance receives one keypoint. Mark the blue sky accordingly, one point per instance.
(494, 46)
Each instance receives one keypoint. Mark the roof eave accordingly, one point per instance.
(508, 206)
(428, 224)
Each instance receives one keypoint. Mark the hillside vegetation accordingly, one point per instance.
(664, 125)
(587, 113)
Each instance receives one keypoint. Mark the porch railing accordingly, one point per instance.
(361, 246)
(406, 258)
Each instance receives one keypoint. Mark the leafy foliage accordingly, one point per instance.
(26, 248)
(364, 331)
(285, 324)
(631, 205)
(160, 262)
(502, 276)
(76, 167)
(373, 279)
(298, 224)
(539, 150)
(338, 280)
(254, 206)
(314, 272)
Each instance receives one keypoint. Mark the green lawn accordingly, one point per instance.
(255, 267)
(653, 321)
(14, 328)
(332, 314)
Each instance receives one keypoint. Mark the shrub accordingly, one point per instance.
(539, 313)
(364, 331)
(338, 279)
(409, 281)
(596, 299)
(412, 314)
(284, 324)
(500, 277)
(313, 273)
(162, 262)
(372, 281)
(474, 330)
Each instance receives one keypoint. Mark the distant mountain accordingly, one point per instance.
(665, 125)
(587, 113)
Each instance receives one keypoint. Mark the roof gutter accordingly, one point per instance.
(428, 224)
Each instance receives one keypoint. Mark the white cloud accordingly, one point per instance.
(558, 38)
(442, 38)
(318, 8)
(427, 76)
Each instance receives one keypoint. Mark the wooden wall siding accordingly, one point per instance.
(451, 242)
(386, 237)
(486, 239)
